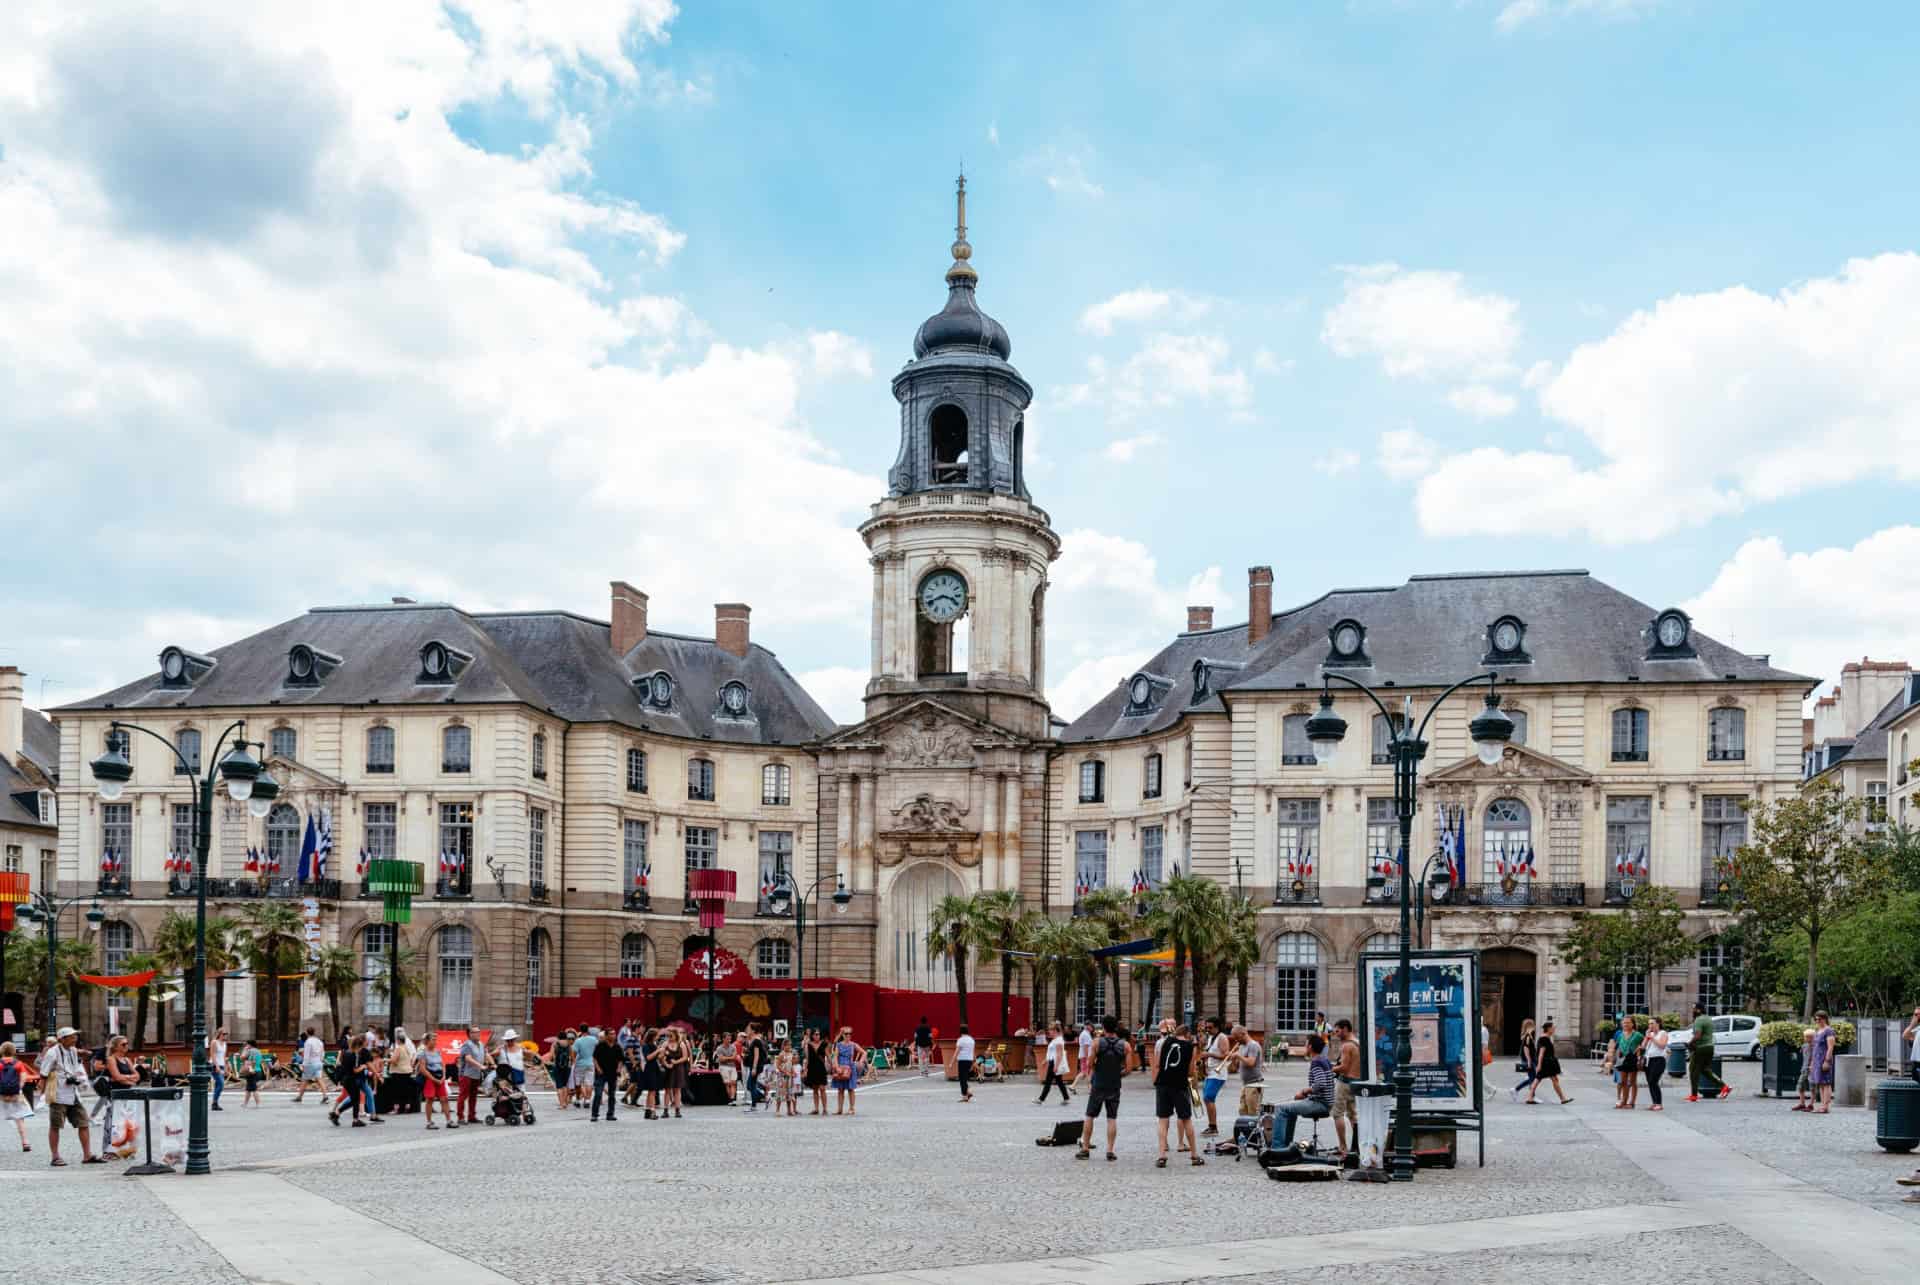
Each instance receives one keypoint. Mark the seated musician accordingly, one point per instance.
(1316, 1100)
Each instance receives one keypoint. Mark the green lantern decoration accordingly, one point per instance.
(398, 883)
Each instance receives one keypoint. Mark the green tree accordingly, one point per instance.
(957, 927)
(1003, 918)
(335, 972)
(173, 955)
(223, 956)
(1868, 962)
(411, 984)
(1186, 913)
(1645, 937)
(1063, 959)
(1110, 914)
(1807, 865)
(1241, 951)
(270, 939)
(1897, 847)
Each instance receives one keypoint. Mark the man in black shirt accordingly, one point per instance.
(607, 1058)
(1173, 1091)
(1103, 1090)
(756, 1063)
(923, 1045)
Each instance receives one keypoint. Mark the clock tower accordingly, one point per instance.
(960, 551)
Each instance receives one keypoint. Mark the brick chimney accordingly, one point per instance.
(12, 712)
(1259, 603)
(730, 626)
(629, 617)
(1199, 619)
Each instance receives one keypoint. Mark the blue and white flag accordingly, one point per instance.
(324, 850)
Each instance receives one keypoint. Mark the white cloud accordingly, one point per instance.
(1481, 401)
(835, 354)
(1107, 612)
(1422, 324)
(993, 133)
(272, 284)
(1123, 450)
(1066, 169)
(1518, 13)
(1335, 462)
(1169, 370)
(1405, 453)
(1815, 611)
(1143, 304)
(1265, 363)
(1708, 404)
(840, 689)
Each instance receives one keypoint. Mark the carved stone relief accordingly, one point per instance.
(927, 743)
(924, 814)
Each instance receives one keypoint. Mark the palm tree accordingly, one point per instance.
(1110, 913)
(173, 955)
(956, 927)
(71, 959)
(1241, 952)
(1186, 912)
(269, 937)
(335, 972)
(222, 958)
(140, 963)
(1004, 920)
(1063, 956)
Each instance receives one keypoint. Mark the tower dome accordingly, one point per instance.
(961, 326)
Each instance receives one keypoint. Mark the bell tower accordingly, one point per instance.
(959, 550)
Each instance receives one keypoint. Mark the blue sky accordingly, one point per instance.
(496, 306)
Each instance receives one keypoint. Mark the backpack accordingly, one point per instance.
(9, 1078)
(1109, 1059)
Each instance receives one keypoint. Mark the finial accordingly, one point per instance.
(962, 271)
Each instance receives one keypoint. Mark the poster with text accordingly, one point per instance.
(1444, 1020)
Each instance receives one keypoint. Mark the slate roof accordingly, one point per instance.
(1432, 631)
(1869, 744)
(42, 742)
(551, 660)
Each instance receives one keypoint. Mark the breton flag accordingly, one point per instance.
(309, 845)
(324, 852)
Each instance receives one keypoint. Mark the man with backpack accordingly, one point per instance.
(1103, 1092)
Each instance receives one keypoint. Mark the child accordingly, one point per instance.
(784, 1079)
(252, 1070)
(1806, 1066)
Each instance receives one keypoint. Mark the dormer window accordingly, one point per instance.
(1347, 644)
(1144, 692)
(1506, 642)
(733, 700)
(1205, 677)
(655, 689)
(1670, 636)
(440, 663)
(182, 668)
(309, 666)
(49, 816)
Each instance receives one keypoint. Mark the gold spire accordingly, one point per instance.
(962, 271)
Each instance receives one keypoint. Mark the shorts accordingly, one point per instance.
(1211, 1089)
(1173, 1100)
(582, 1077)
(730, 1075)
(59, 1113)
(253, 1082)
(1343, 1104)
(1099, 1099)
(432, 1090)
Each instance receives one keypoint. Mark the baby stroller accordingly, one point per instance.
(509, 1102)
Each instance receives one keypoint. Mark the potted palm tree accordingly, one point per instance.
(1185, 912)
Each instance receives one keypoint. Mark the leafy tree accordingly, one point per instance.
(269, 938)
(335, 972)
(1186, 912)
(1003, 918)
(1897, 847)
(1867, 958)
(1643, 938)
(173, 955)
(956, 928)
(1807, 865)
(1063, 956)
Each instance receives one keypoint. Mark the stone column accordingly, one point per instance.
(991, 876)
(1010, 832)
(863, 869)
(843, 830)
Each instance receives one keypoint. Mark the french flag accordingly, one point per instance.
(1306, 864)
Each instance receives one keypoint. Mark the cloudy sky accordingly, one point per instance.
(494, 301)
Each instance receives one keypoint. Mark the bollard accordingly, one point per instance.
(1850, 1080)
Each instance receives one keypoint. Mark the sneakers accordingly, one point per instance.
(1693, 1097)
(1726, 1091)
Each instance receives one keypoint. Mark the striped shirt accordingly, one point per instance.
(1320, 1081)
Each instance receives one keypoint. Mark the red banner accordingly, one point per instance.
(119, 981)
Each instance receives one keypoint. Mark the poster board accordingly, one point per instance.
(1445, 1020)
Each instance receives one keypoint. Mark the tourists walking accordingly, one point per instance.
(607, 1059)
(847, 1057)
(758, 1068)
(1173, 1092)
(1525, 1065)
(313, 1065)
(1315, 1102)
(252, 1070)
(1346, 1073)
(1219, 1060)
(433, 1086)
(559, 1062)
(580, 1069)
(217, 1063)
(14, 1105)
(1106, 1067)
(356, 1080)
(1056, 1066)
(923, 1045)
(473, 1069)
(1653, 1056)
(1546, 1066)
(1700, 1060)
(1820, 1062)
(1626, 1063)
(62, 1076)
(962, 1064)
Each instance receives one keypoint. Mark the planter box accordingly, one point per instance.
(1779, 1070)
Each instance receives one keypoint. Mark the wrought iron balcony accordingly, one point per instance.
(1620, 891)
(764, 908)
(1297, 891)
(537, 892)
(115, 886)
(638, 899)
(1518, 892)
(1721, 890)
(454, 888)
(185, 886)
(293, 889)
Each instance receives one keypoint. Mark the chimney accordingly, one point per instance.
(629, 617)
(1259, 603)
(730, 626)
(12, 717)
(1199, 619)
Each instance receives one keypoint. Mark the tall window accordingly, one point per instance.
(119, 738)
(1726, 735)
(776, 784)
(637, 771)
(116, 944)
(187, 741)
(539, 761)
(1296, 958)
(776, 855)
(1519, 717)
(1906, 757)
(1090, 859)
(1630, 736)
(456, 975)
(700, 779)
(1723, 829)
(282, 742)
(702, 850)
(15, 859)
(456, 842)
(536, 968)
(1384, 730)
(1152, 841)
(1295, 749)
(184, 839)
(1383, 833)
(1876, 803)
(376, 946)
(380, 751)
(633, 851)
(1504, 838)
(116, 832)
(773, 957)
(456, 749)
(1150, 778)
(1298, 835)
(537, 848)
(1722, 988)
(1093, 781)
(633, 955)
(283, 840)
(1629, 837)
(382, 830)
(1623, 993)
(1090, 1001)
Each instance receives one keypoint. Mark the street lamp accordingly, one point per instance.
(247, 782)
(47, 909)
(1434, 885)
(1490, 731)
(786, 893)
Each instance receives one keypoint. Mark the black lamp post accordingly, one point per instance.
(785, 893)
(249, 783)
(47, 909)
(1490, 732)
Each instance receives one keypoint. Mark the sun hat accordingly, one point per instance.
(64, 1032)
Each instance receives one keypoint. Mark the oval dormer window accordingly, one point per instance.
(1140, 690)
(660, 689)
(434, 660)
(733, 699)
(173, 664)
(1346, 639)
(300, 660)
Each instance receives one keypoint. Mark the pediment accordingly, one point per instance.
(1517, 763)
(295, 775)
(924, 733)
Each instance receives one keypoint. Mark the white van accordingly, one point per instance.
(1734, 1035)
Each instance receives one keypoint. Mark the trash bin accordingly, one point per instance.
(1897, 1126)
(1677, 1061)
(124, 1135)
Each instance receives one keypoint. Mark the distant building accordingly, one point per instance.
(1853, 747)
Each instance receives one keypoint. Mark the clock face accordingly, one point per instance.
(1346, 639)
(1506, 636)
(943, 596)
(1140, 690)
(734, 697)
(662, 689)
(1673, 631)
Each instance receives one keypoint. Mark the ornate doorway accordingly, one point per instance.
(1507, 977)
(906, 910)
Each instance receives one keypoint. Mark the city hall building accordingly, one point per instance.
(560, 776)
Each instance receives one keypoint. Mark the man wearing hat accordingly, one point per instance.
(64, 1074)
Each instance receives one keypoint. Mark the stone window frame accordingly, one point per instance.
(1093, 780)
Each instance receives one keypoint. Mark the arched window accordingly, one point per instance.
(1020, 456)
(1505, 839)
(1630, 736)
(947, 432)
(773, 957)
(187, 741)
(1381, 943)
(536, 968)
(1296, 959)
(283, 841)
(776, 784)
(1295, 751)
(1037, 638)
(456, 749)
(539, 761)
(637, 771)
(700, 779)
(635, 954)
(376, 952)
(380, 751)
(456, 975)
(1726, 735)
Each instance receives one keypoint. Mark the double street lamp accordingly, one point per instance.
(786, 893)
(1490, 731)
(45, 908)
(247, 782)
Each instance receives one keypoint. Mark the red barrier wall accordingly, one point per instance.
(873, 1013)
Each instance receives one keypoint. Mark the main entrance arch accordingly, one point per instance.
(1508, 977)
(906, 908)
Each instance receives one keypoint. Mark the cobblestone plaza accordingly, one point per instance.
(919, 1187)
